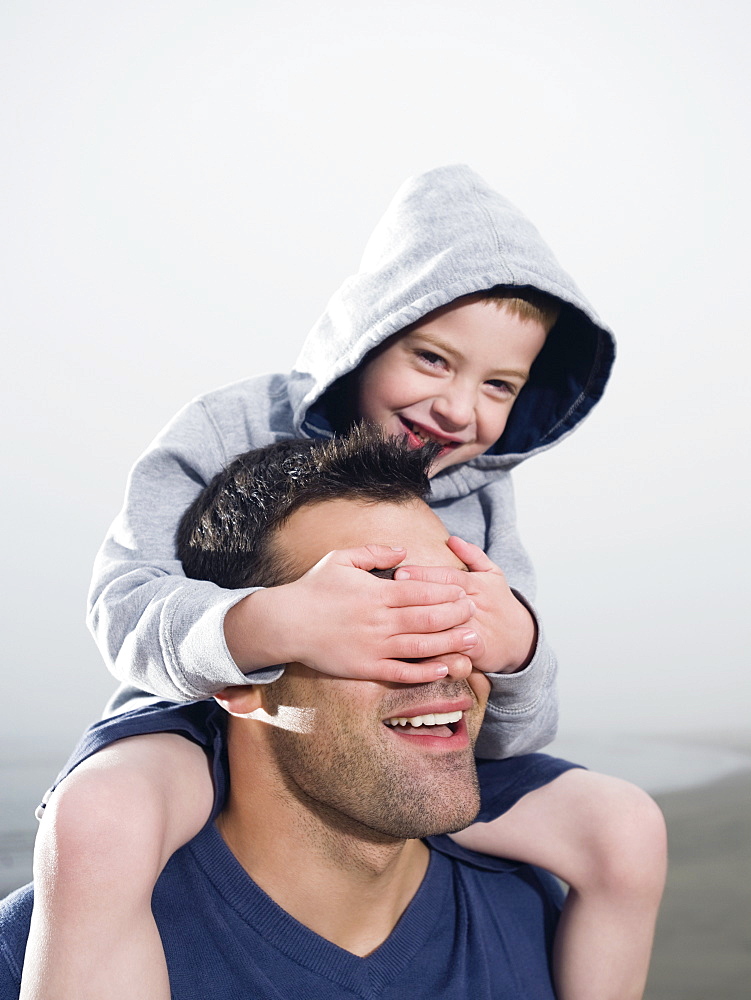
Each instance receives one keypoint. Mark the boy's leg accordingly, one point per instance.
(606, 839)
(107, 832)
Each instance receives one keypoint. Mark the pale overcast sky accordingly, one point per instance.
(186, 183)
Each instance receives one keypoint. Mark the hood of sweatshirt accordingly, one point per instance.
(447, 234)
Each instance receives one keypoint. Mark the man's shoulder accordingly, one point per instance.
(15, 916)
(485, 868)
(494, 904)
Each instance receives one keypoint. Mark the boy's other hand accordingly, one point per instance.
(342, 620)
(506, 629)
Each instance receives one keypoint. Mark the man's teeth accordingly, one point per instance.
(437, 719)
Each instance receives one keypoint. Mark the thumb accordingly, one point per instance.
(370, 557)
(471, 555)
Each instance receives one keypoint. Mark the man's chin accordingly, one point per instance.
(442, 808)
(429, 827)
(440, 828)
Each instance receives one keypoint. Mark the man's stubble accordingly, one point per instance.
(357, 778)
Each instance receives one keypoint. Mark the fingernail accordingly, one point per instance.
(402, 574)
(441, 671)
(472, 607)
(398, 548)
(470, 638)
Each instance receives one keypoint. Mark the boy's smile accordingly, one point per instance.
(451, 378)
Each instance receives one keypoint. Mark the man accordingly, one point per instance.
(315, 879)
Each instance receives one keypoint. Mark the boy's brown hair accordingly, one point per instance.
(525, 302)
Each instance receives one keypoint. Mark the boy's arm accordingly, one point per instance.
(522, 712)
(168, 635)
(156, 629)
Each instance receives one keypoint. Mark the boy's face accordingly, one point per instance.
(452, 378)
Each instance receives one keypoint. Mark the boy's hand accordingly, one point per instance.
(341, 619)
(507, 631)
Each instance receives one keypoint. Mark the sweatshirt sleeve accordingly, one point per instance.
(156, 629)
(522, 711)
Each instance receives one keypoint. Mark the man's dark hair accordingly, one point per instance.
(226, 535)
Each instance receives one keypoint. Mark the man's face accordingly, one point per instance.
(452, 378)
(356, 765)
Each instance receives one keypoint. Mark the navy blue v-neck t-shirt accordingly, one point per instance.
(478, 928)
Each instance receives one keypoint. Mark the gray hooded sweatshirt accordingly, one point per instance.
(446, 234)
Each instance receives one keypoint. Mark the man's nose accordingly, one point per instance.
(459, 665)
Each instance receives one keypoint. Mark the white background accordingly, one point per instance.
(186, 183)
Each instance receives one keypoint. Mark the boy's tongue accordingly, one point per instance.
(413, 440)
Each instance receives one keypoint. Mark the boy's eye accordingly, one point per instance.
(430, 357)
(501, 386)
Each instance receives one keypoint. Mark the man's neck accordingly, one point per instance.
(350, 889)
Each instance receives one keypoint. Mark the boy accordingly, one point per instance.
(460, 328)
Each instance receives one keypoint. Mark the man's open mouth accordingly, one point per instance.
(438, 724)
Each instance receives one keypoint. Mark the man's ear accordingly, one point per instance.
(240, 699)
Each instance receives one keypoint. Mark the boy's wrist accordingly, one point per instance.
(254, 632)
(530, 651)
(527, 644)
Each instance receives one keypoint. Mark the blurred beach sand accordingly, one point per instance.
(703, 943)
